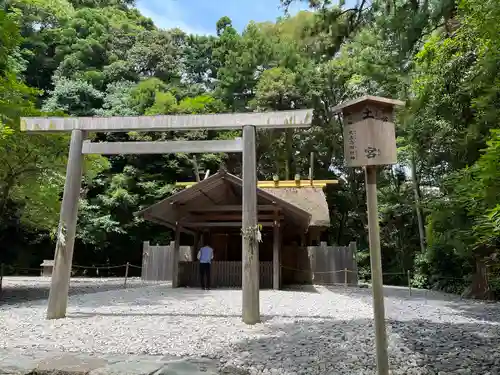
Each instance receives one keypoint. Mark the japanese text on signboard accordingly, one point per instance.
(353, 151)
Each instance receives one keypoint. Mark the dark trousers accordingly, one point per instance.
(205, 273)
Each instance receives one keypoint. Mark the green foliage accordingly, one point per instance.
(117, 100)
(30, 178)
(223, 24)
(200, 104)
(464, 227)
(14, 95)
(276, 89)
(456, 83)
(31, 175)
(156, 54)
(143, 95)
(164, 104)
(75, 97)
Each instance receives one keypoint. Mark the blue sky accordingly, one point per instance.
(200, 16)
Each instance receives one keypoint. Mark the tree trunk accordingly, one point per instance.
(479, 287)
(4, 197)
(340, 231)
(416, 191)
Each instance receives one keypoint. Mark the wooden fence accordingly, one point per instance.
(321, 264)
(157, 261)
(333, 264)
(223, 274)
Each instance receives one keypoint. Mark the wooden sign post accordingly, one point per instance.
(80, 126)
(369, 141)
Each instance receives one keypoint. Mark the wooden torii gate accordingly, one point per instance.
(81, 126)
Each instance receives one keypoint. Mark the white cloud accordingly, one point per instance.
(171, 16)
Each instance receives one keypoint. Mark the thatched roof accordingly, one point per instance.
(306, 206)
(310, 199)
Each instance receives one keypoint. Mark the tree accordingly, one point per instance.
(454, 112)
(28, 164)
(74, 97)
(200, 104)
(143, 95)
(164, 104)
(156, 54)
(117, 101)
(199, 66)
(222, 24)
(13, 94)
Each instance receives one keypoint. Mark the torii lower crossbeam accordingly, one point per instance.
(163, 147)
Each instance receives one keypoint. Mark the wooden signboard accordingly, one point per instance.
(369, 132)
(370, 142)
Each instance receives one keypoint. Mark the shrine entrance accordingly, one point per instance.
(289, 219)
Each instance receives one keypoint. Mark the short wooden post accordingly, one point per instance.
(311, 168)
(1, 275)
(353, 249)
(276, 255)
(250, 246)
(345, 277)
(58, 295)
(175, 258)
(126, 275)
(409, 283)
(145, 271)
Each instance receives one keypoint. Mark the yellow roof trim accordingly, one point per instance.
(278, 184)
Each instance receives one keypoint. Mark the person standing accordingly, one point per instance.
(205, 256)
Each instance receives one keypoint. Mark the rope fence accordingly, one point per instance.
(347, 271)
(26, 271)
(128, 265)
(99, 267)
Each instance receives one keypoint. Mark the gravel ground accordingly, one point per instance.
(317, 331)
(18, 289)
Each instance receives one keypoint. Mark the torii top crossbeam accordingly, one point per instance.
(225, 121)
